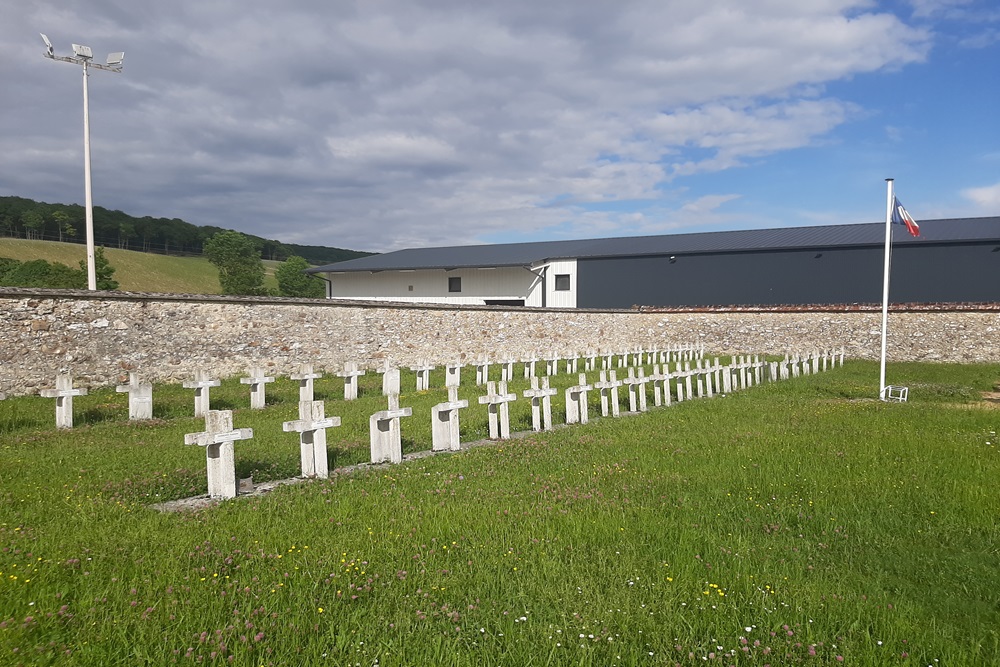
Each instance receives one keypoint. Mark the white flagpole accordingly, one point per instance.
(885, 287)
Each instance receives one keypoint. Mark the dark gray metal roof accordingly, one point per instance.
(956, 230)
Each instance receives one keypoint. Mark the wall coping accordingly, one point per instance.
(115, 295)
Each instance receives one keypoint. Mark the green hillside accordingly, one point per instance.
(135, 271)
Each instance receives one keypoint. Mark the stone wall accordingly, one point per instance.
(99, 337)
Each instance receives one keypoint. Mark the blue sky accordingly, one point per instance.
(378, 126)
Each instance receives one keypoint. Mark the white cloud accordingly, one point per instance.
(435, 121)
(987, 198)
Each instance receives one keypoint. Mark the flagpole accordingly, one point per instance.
(885, 287)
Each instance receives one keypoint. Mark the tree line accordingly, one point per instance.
(26, 218)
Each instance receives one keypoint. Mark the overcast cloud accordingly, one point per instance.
(385, 124)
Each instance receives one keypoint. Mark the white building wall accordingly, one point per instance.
(560, 298)
(431, 286)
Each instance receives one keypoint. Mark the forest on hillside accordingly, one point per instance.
(28, 219)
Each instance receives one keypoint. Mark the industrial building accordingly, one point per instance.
(952, 261)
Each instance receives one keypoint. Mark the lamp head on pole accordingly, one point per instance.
(83, 52)
(49, 51)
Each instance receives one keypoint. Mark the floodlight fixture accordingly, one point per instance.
(84, 52)
(84, 55)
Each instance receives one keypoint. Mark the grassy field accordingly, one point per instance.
(794, 523)
(135, 271)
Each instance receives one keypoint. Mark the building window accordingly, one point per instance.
(562, 282)
(455, 284)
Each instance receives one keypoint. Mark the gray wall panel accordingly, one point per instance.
(929, 273)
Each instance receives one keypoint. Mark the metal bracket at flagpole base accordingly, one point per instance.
(894, 393)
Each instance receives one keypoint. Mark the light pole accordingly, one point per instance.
(84, 56)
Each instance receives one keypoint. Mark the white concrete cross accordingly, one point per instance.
(386, 443)
(606, 362)
(815, 362)
(758, 370)
(202, 385)
(423, 371)
(305, 377)
(529, 367)
(311, 427)
(507, 370)
(727, 378)
(445, 433)
(576, 402)
(453, 375)
(700, 376)
(541, 404)
(351, 373)
(661, 385)
(257, 381)
(482, 371)
(772, 371)
(552, 365)
(390, 382)
(496, 400)
(841, 356)
(609, 392)
(590, 365)
(63, 393)
(571, 364)
(712, 376)
(685, 373)
(637, 390)
(140, 397)
(220, 458)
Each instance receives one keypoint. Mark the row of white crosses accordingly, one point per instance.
(219, 436)
(141, 398)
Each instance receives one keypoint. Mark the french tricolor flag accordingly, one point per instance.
(901, 217)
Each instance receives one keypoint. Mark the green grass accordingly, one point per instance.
(135, 271)
(801, 515)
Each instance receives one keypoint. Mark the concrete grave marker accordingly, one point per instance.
(551, 365)
(217, 439)
(453, 375)
(496, 401)
(571, 364)
(661, 385)
(637, 390)
(482, 371)
(140, 397)
(257, 381)
(311, 427)
(305, 377)
(529, 367)
(386, 443)
(202, 385)
(541, 404)
(63, 393)
(423, 371)
(390, 382)
(507, 370)
(351, 373)
(445, 433)
(576, 402)
(609, 392)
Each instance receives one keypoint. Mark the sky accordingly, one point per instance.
(385, 124)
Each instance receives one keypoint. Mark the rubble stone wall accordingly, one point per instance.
(99, 337)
